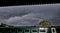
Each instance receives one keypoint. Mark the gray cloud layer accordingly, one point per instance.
(30, 15)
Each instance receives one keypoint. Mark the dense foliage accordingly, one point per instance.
(5, 25)
(45, 23)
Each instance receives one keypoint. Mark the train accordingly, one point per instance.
(27, 29)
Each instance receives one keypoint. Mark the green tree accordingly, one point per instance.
(5, 25)
(45, 23)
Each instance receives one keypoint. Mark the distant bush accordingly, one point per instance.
(5, 25)
(45, 23)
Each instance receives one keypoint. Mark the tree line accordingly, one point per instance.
(44, 23)
(5, 25)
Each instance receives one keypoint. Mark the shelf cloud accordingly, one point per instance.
(30, 14)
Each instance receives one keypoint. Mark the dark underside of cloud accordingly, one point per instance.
(30, 14)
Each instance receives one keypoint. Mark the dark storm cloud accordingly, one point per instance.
(13, 11)
(30, 15)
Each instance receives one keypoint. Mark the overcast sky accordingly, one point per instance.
(30, 14)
